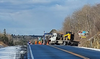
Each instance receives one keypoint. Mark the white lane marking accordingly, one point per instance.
(31, 52)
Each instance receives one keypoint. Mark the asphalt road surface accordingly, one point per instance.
(61, 52)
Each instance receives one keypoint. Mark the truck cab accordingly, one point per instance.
(56, 38)
(53, 37)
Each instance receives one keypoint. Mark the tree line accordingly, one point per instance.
(85, 19)
(6, 38)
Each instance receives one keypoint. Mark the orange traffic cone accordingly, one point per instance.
(47, 43)
(35, 42)
(40, 43)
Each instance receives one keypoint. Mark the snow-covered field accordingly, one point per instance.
(9, 52)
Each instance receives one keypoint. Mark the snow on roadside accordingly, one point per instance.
(90, 48)
(9, 52)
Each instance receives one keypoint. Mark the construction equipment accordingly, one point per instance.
(59, 39)
(69, 39)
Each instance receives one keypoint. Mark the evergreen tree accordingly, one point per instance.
(5, 38)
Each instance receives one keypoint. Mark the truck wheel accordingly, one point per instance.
(64, 43)
(56, 43)
(72, 43)
(49, 43)
(68, 42)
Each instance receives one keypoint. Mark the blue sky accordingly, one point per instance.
(28, 17)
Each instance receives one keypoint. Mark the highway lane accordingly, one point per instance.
(91, 54)
(48, 52)
(62, 52)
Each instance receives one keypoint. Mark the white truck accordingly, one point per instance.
(56, 38)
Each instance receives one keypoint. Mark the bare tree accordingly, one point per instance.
(85, 19)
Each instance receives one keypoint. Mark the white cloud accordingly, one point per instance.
(1, 1)
(37, 15)
(26, 1)
(41, 1)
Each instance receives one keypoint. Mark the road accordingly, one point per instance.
(61, 52)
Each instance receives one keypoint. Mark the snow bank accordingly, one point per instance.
(90, 48)
(9, 52)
